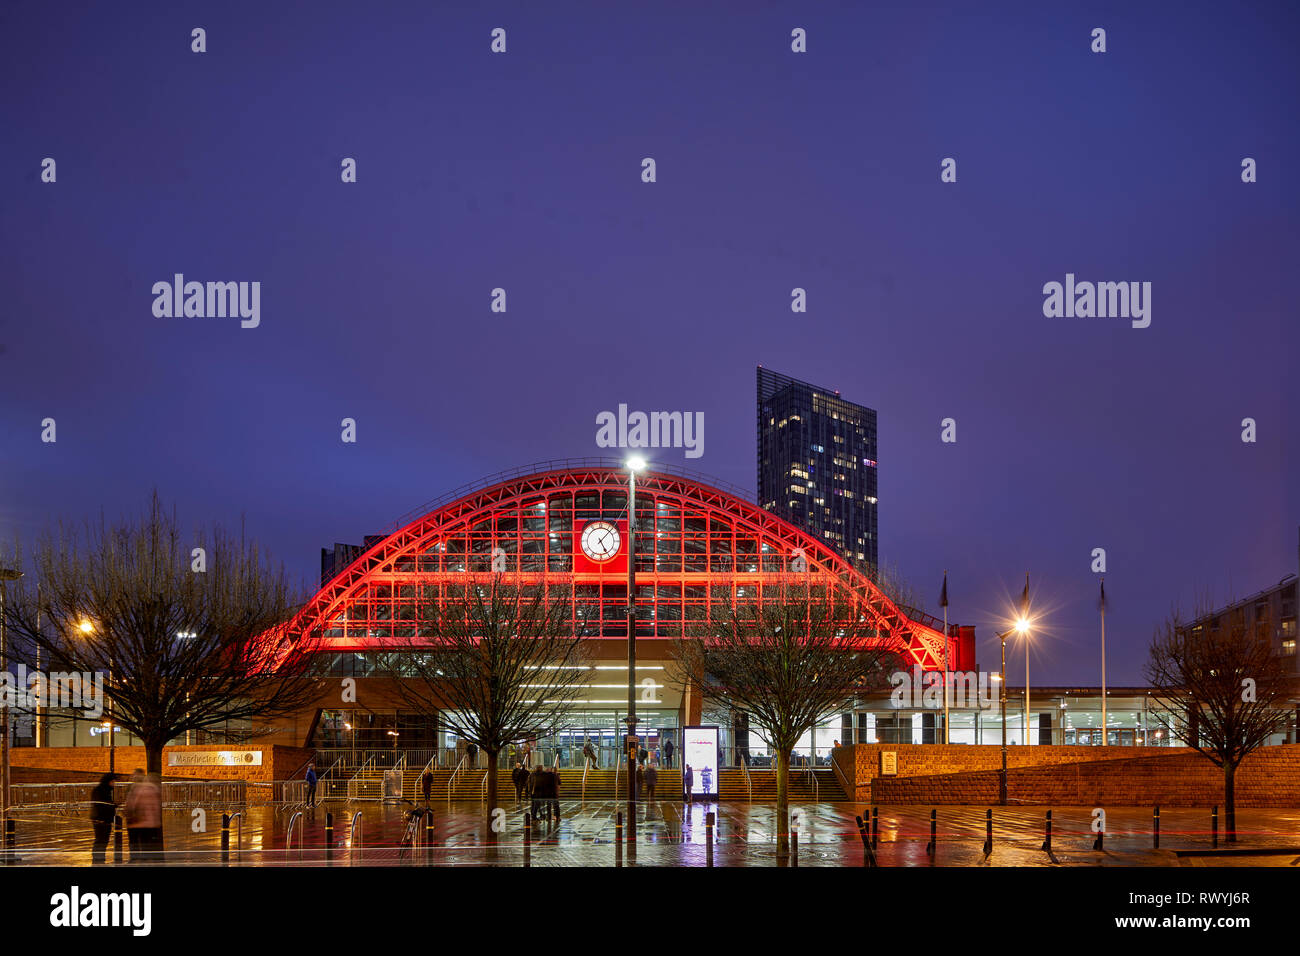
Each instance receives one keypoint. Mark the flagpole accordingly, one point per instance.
(1105, 733)
(944, 601)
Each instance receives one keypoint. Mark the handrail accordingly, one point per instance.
(749, 782)
(353, 834)
(849, 792)
(288, 840)
(451, 782)
(586, 765)
(482, 790)
(618, 767)
(812, 775)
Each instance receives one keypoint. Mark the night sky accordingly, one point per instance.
(775, 170)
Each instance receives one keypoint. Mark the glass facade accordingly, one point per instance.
(817, 464)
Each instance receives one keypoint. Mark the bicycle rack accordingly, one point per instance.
(288, 840)
(354, 834)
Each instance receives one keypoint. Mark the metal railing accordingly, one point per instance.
(209, 794)
(586, 766)
(354, 835)
(849, 791)
(455, 775)
(749, 782)
(238, 818)
(288, 838)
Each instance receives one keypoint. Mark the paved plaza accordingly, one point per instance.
(672, 834)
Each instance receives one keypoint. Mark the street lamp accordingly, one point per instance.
(634, 464)
(6, 575)
(1021, 627)
(87, 627)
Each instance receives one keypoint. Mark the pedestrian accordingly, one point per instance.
(471, 752)
(426, 783)
(536, 791)
(519, 777)
(651, 781)
(143, 813)
(526, 755)
(553, 794)
(590, 754)
(642, 756)
(311, 785)
(103, 808)
(640, 779)
(668, 753)
(688, 783)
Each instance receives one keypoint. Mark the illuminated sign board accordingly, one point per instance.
(700, 753)
(215, 758)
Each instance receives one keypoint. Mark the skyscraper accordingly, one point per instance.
(817, 464)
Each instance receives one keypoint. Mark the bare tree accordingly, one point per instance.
(186, 630)
(790, 658)
(1223, 691)
(498, 660)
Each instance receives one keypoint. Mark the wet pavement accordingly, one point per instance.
(670, 833)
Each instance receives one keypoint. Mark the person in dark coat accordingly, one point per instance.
(310, 777)
(519, 777)
(103, 808)
(688, 782)
(640, 780)
(426, 783)
(536, 791)
(552, 796)
(651, 781)
(668, 753)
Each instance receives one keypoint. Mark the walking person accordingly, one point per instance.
(688, 783)
(311, 785)
(590, 754)
(651, 781)
(668, 753)
(143, 813)
(640, 779)
(519, 777)
(103, 808)
(426, 784)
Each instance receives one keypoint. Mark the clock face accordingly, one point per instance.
(600, 540)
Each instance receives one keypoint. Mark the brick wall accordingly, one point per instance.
(1096, 776)
(278, 763)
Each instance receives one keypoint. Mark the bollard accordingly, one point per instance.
(1155, 828)
(329, 837)
(428, 833)
(988, 831)
(117, 839)
(934, 823)
(1047, 843)
(708, 839)
(1100, 842)
(225, 838)
(9, 840)
(618, 839)
(875, 827)
(1214, 825)
(794, 848)
(864, 831)
(528, 839)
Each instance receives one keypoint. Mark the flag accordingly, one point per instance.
(1024, 598)
(1102, 603)
(943, 595)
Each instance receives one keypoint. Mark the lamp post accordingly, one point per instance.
(1022, 627)
(6, 575)
(634, 464)
(87, 628)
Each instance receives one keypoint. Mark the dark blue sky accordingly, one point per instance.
(775, 170)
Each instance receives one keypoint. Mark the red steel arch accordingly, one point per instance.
(362, 607)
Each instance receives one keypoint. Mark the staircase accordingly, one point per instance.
(731, 785)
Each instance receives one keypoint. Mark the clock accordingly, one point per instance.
(600, 540)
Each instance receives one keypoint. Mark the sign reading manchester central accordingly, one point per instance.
(215, 758)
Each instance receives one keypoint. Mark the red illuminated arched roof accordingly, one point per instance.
(418, 554)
